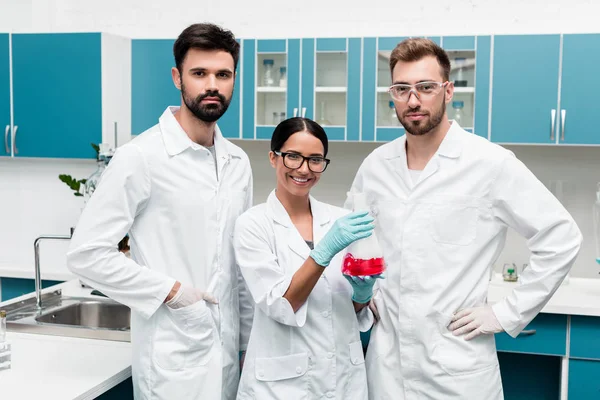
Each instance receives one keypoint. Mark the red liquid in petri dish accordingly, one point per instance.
(362, 267)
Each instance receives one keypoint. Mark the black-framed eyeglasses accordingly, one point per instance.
(294, 161)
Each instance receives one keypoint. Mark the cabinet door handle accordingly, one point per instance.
(295, 112)
(6, 139)
(563, 116)
(303, 112)
(553, 119)
(529, 332)
(15, 139)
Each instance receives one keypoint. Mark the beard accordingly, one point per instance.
(205, 112)
(419, 128)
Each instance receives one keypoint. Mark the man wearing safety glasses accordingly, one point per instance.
(444, 199)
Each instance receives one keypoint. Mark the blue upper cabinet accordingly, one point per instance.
(5, 143)
(57, 92)
(578, 104)
(525, 88)
(153, 89)
(271, 92)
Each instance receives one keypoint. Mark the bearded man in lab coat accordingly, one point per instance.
(177, 189)
(443, 199)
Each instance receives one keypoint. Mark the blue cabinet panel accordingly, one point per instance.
(585, 337)
(527, 376)
(482, 85)
(335, 44)
(388, 43)
(389, 134)
(15, 287)
(4, 95)
(579, 89)
(293, 68)
(271, 45)
(583, 379)
(336, 133)
(353, 112)
(264, 132)
(308, 78)
(229, 123)
(369, 87)
(525, 88)
(550, 337)
(436, 39)
(152, 87)
(123, 391)
(249, 85)
(458, 43)
(57, 92)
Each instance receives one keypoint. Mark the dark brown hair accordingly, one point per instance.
(415, 49)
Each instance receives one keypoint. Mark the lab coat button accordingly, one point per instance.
(298, 370)
(330, 394)
(261, 373)
(325, 314)
(329, 355)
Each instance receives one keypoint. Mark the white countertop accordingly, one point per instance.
(576, 296)
(60, 368)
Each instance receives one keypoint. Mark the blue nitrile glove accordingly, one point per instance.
(362, 287)
(347, 229)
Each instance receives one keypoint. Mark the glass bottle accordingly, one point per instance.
(393, 117)
(104, 156)
(458, 114)
(323, 115)
(596, 212)
(282, 77)
(510, 273)
(460, 81)
(268, 74)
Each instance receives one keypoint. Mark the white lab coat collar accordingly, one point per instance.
(451, 147)
(176, 140)
(321, 219)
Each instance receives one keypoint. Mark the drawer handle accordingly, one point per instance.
(529, 332)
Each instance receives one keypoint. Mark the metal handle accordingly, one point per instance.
(553, 117)
(6, 139)
(529, 332)
(295, 112)
(563, 116)
(303, 112)
(15, 139)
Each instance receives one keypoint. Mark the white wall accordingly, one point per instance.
(39, 203)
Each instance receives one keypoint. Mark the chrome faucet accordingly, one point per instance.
(38, 278)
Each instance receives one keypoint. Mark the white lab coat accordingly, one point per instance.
(162, 188)
(440, 237)
(315, 352)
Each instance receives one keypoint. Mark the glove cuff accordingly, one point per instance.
(319, 258)
(361, 300)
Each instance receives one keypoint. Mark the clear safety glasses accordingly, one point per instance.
(402, 91)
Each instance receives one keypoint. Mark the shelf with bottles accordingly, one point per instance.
(460, 109)
(386, 112)
(271, 91)
(330, 109)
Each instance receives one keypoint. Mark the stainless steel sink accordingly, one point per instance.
(94, 318)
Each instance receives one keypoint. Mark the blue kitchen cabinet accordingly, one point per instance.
(530, 376)
(525, 88)
(546, 334)
(5, 143)
(578, 104)
(153, 90)
(15, 287)
(57, 94)
(583, 379)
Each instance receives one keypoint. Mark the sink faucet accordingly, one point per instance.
(38, 279)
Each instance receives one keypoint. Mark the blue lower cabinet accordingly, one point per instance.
(585, 335)
(15, 287)
(123, 391)
(546, 334)
(528, 376)
(583, 379)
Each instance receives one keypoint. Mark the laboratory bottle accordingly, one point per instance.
(393, 117)
(268, 74)
(282, 77)
(460, 80)
(363, 257)
(323, 115)
(458, 113)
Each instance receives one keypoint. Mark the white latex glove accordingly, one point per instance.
(186, 296)
(475, 321)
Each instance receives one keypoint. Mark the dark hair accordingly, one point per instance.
(287, 128)
(205, 37)
(415, 49)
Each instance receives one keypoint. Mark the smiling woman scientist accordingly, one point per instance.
(305, 339)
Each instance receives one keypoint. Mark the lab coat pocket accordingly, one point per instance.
(356, 386)
(357, 356)
(184, 337)
(453, 220)
(457, 356)
(282, 377)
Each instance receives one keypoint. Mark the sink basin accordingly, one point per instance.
(91, 314)
(83, 317)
